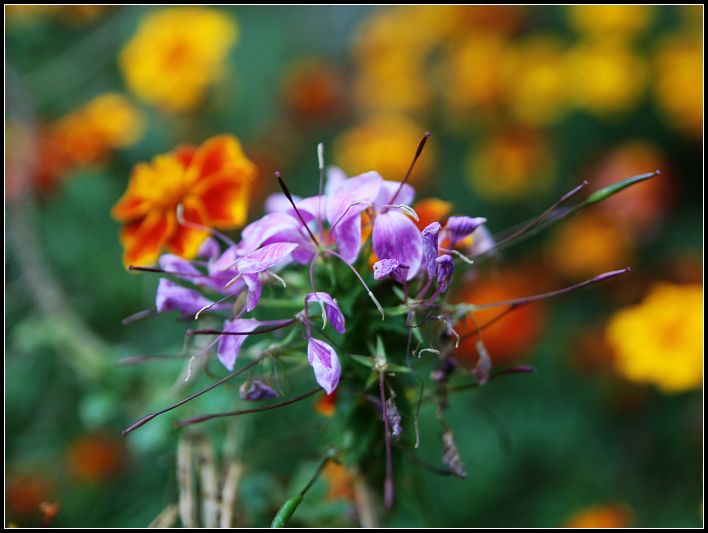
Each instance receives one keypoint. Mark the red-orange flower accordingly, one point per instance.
(211, 183)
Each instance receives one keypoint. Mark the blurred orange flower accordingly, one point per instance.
(340, 482)
(96, 458)
(610, 516)
(212, 184)
(514, 335)
(432, 210)
(611, 21)
(177, 54)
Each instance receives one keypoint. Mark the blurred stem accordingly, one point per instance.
(367, 503)
(83, 350)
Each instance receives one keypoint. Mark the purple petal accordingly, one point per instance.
(446, 266)
(209, 249)
(256, 390)
(390, 268)
(173, 297)
(335, 177)
(254, 290)
(179, 267)
(482, 242)
(325, 363)
(430, 246)
(460, 227)
(278, 203)
(389, 189)
(395, 236)
(343, 202)
(264, 258)
(230, 345)
(347, 235)
(334, 314)
(274, 227)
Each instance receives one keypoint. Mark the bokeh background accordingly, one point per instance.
(523, 104)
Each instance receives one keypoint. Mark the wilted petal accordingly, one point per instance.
(334, 314)
(390, 268)
(395, 236)
(230, 345)
(430, 246)
(460, 227)
(265, 257)
(173, 297)
(446, 266)
(352, 197)
(482, 241)
(254, 290)
(325, 363)
(256, 390)
(347, 235)
(394, 418)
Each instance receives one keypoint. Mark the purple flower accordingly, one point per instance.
(390, 268)
(250, 266)
(446, 266)
(325, 363)
(430, 246)
(230, 345)
(460, 227)
(171, 296)
(256, 390)
(395, 236)
(333, 313)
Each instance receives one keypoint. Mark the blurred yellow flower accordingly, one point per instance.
(611, 21)
(86, 135)
(177, 54)
(605, 516)
(478, 71)
(679, 82)
(212, 184)
(588, 244)
(604, 76)
(511, 166)
(660, 341)
(385, 144)
(538, 92)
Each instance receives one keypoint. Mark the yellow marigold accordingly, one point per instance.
(660, 341)
(537, 93)
(679, 82)
(611, 21)
(108, 121)
(385, 144)
(604, 76)
(588, 244)
(177, 54)
(605, 516)
(511, 165)
(211, 183)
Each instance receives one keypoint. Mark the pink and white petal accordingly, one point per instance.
(325, 363)
(230, 345)
(388, 190)
(265, 257)
(353, 196)
(395, 236)
(254, 290)
(347, 235)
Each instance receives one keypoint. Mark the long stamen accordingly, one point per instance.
(320, 162)
(216, 233)
(336, 222)
(282, 325)
(418, 151)
(144, 420)
(207, 307)
(361, 280)
(289, 196)
(145, 313)
(163, 271)
(204, 418)
(543, 296)
(540, 218)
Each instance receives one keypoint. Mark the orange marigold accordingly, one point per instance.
(211, 183)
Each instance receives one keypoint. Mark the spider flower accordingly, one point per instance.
(211, 183)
